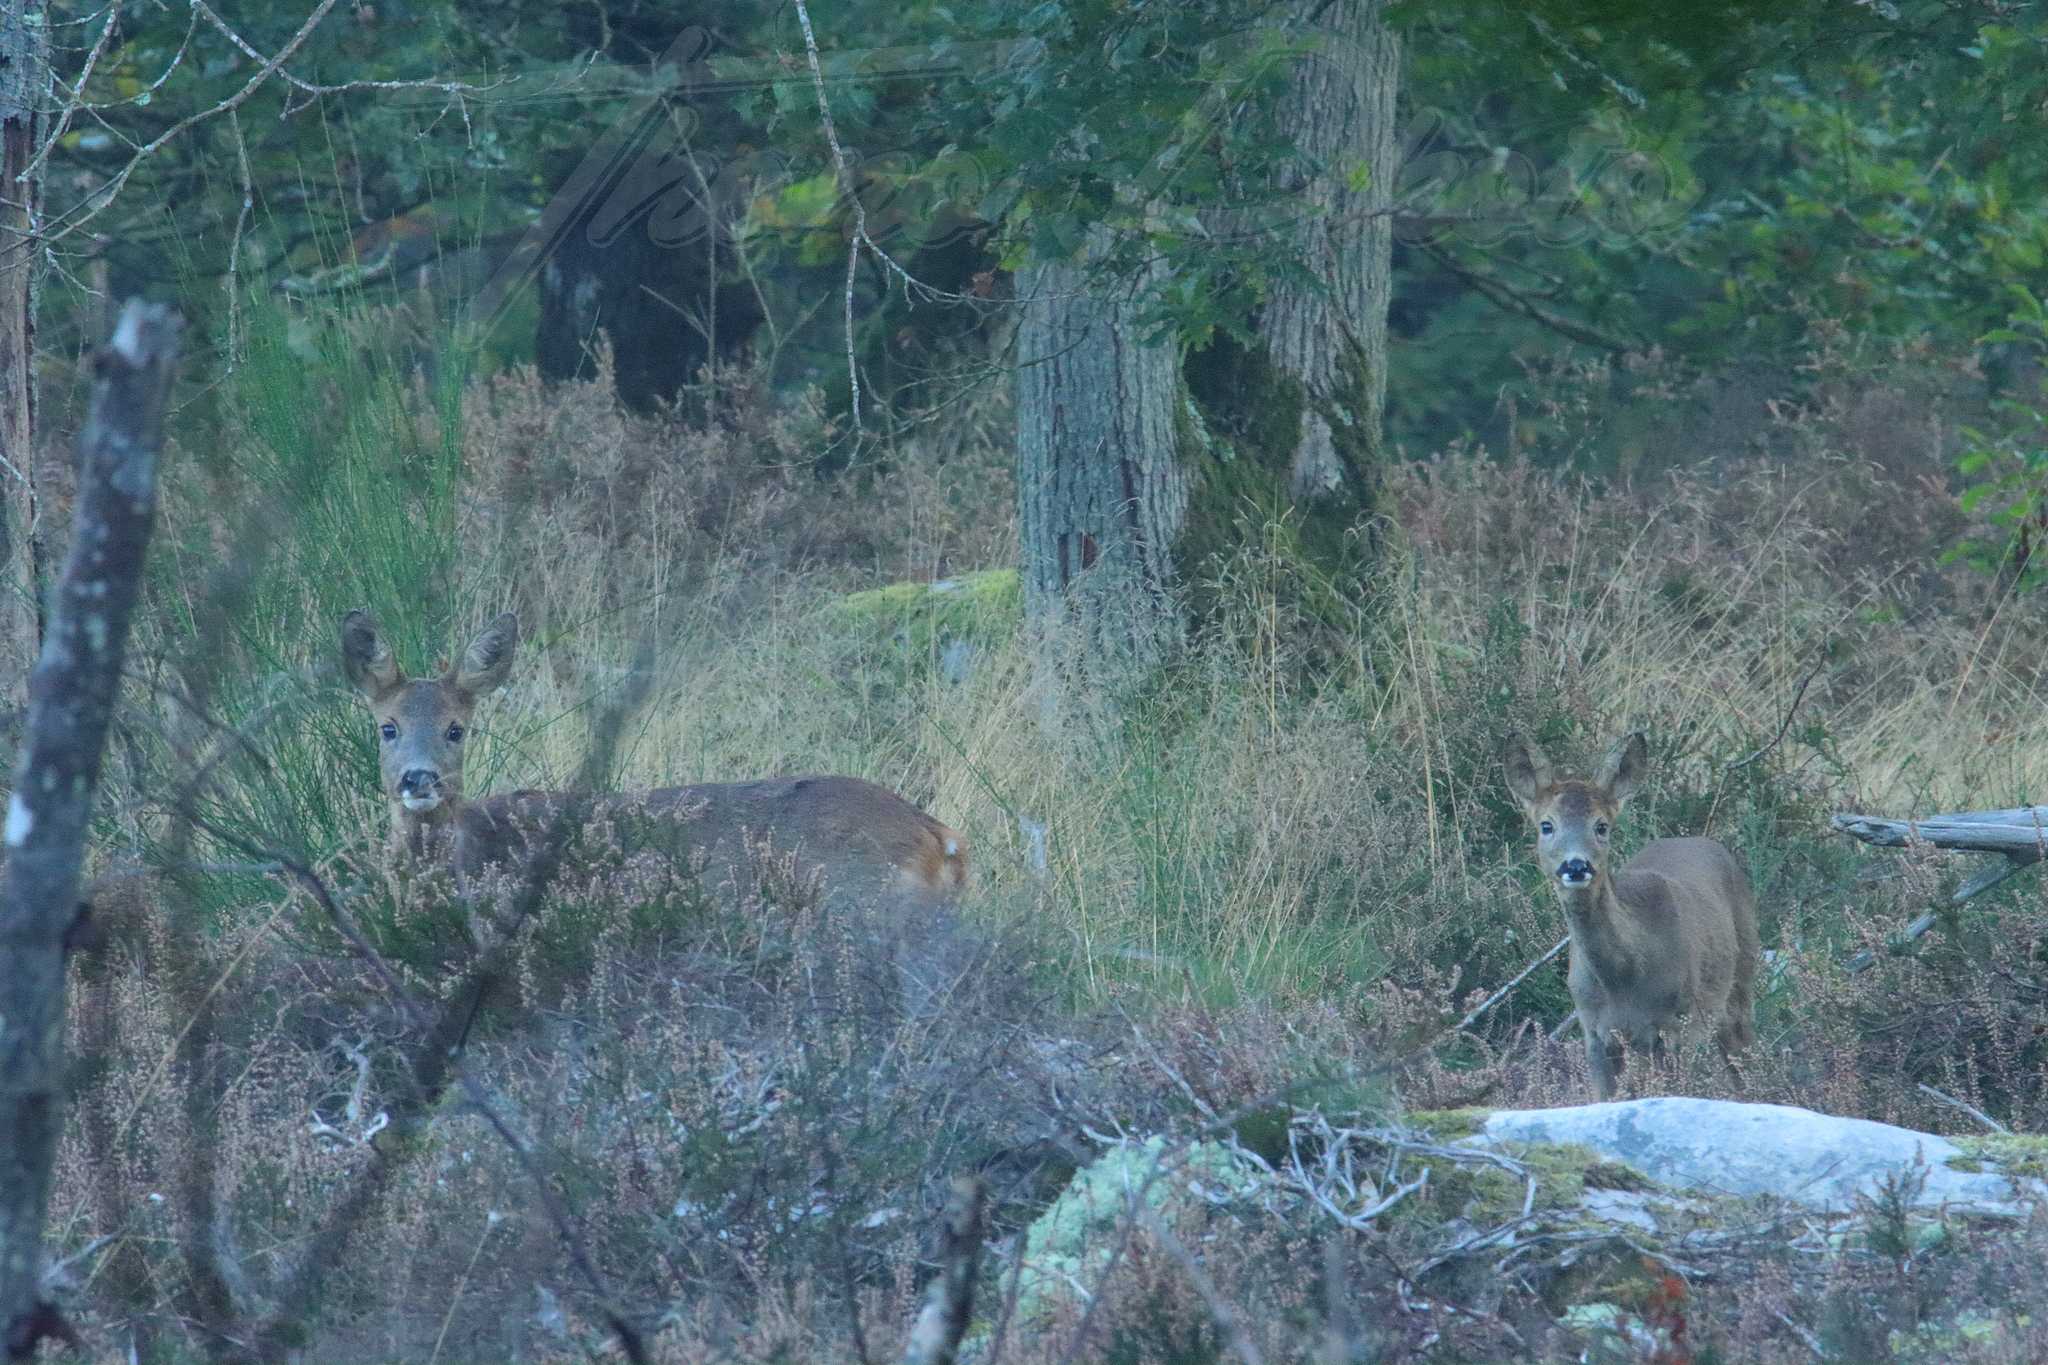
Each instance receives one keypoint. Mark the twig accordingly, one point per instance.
(846, 187)
(1806, 1338)
(1480, 1241)
(234, 286)
(1972, 1110)
(1202, 1106)
(860, 239)
(96, 203)
(1790, 711)
(1520, 976)
(1514, 300)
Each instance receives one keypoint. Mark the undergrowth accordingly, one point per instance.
(1256, 872)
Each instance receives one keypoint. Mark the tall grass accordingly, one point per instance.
(1254, 824)
(1291, 852)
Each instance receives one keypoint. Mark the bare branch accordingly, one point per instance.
(71, 704)
(102, 198)
(846, 187)
(1790, 711)
(1519, 978)
(2020, 834)
(1972, 1110)
(935, 1338)
(859, 240)
(1508, 297)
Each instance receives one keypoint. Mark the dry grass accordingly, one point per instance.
(1262, 871)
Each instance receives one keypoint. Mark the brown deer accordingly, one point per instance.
(1665, 942)
(862, 838)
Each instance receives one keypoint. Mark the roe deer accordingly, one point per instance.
(862, 837)
(1663, 943)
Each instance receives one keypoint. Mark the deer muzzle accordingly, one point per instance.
(419, 789)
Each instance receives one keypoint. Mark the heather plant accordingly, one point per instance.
(1279, 880)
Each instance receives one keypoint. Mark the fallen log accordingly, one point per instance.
(2021, 833)
(2018, 834)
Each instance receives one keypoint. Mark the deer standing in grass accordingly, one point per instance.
(863, 838)
(1663, 943)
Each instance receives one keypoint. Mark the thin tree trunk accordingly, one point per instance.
(77, 681)
(1340, 110)
(1102, 487)
(24, 90)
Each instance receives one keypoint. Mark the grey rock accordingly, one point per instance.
(1723, 1147)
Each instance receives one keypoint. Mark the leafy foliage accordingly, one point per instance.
(2008, 467)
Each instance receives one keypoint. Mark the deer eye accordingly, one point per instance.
(455, 734)
(1600, 828)
(389, 731)
(1547, 828)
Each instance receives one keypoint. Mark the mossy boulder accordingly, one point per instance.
(1818, 1161)
(945, 621)
(1068, 1247)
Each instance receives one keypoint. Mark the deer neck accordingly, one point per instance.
(1603, 930)
(424, 836)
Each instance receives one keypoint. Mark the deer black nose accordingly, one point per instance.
(1575, 872)
(419, 782)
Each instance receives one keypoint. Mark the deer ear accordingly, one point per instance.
(1528, 770)
(366, 658)
(488, 660)
(1625, 765)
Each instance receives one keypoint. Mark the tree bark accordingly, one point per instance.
(1102, 486)
(71, 702)
(1135, 470)
(1292, 417)
(24, 90)
(1340, 108)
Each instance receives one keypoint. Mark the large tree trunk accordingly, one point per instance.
(1128, 489)
(24, 88)
(1340, 107)
(1102, 485)
(1295, 416)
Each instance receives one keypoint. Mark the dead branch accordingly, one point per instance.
(1510, 299)
(2019, 833)
(935, 1338)
(71, 701)
(1786, 724)
(859, 239)
(1972, 1110)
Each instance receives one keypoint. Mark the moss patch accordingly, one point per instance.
(1971, 1335)
(1616, 1175)
(924, 617)
(1238, 434)
(1449, 1124)
(1067, 1247)
(2023, 1156)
